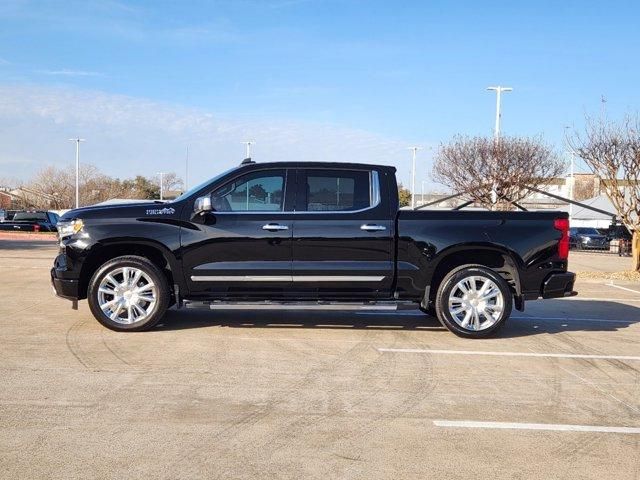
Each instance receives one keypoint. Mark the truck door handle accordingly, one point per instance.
(372, 228)
(273, 227)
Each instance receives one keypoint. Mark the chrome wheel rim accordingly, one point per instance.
(476, 303)
(127, 295)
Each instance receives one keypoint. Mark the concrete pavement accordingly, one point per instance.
(315, 395)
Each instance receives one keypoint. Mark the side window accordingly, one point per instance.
(338, 190)
(254, 192)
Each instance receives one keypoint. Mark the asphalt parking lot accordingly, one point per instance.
(316, 395)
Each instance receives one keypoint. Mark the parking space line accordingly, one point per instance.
(600, 299)
(565, 319)
(622, 288)
(554, 427)
(509, 354)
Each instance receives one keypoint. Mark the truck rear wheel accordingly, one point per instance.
(473, 301)
(128, 293)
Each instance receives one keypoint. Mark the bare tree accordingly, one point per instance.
(478, 165)
(612, 152)
(54, 187)
(172, 182)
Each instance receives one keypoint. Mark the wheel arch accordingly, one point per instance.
(504, 261)
(153, 251)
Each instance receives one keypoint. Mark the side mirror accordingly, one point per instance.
(202, 204)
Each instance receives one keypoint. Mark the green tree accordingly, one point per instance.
(404, 195)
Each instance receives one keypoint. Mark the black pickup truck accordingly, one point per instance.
(304, 235)
(31, 221)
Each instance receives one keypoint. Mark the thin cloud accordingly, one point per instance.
(138, 136)
(70, 73)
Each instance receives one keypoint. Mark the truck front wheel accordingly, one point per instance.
(473, 301)
(128, 293)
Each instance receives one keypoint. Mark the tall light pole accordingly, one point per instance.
(161, 184)
(498, 91)
(572, 180)
(423, 182)
(496, 132)
(414, 150)
(77, 140)
(186, 171)
(248, 148)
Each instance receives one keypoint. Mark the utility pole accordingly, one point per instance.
(414, 150)
(248, 148)
(161, 184)
(423, 182)
(573, 181)
(77, 140)
(496, 132)
(186, 171)
(498, 91)
(571, 169)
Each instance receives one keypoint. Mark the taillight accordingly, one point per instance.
(36, 228)
(562, 224)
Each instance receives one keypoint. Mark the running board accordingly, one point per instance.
(270, 305)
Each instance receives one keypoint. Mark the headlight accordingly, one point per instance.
(67, 228)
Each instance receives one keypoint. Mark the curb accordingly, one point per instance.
(42, 237)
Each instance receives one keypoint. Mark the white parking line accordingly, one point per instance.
(565, 319)
(535, 426)
(599, 299)
(509, 354)
(622, 288)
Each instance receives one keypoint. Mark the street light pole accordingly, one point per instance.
(498, 91)
(248, 148)
(414, 150)
(573, 181)
(423, 182)
(77, 140)
(161, 185)
(496, 132)
(186, 171)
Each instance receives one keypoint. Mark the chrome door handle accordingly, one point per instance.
(274, 227)
(373, 228)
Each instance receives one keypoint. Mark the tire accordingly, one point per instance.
(488, 298)
(144, 303)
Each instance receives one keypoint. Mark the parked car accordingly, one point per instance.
(31, 221)
(8, 215)
(620, 235)
(587, 238)
(307, 236)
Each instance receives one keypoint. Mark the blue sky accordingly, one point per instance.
(335, 80)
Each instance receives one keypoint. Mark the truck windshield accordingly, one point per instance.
(193, 190)
(587, 231)
(30, 216)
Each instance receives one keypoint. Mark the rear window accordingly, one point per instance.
(338, 190)
(30, 216)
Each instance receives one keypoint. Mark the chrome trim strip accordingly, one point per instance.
(337, 278)
(241, 278)
(286, 278)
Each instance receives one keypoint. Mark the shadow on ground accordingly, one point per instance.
(527, 324)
